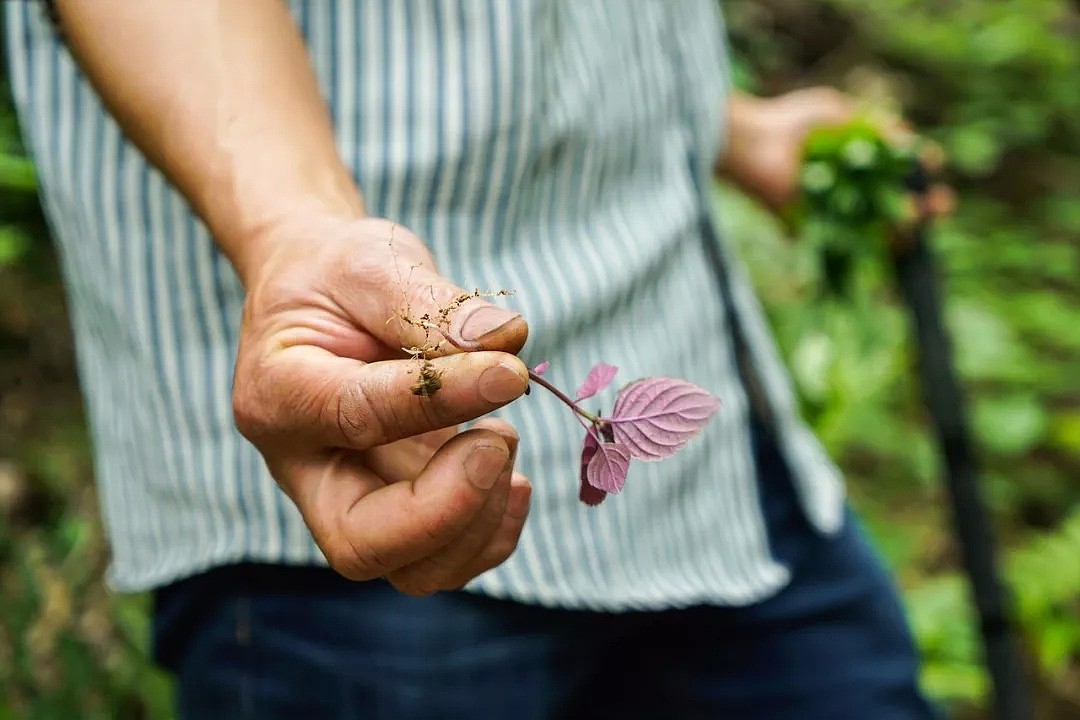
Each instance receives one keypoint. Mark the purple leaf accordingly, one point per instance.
(608, 467)
(541, 368)
(588, 494)
(599, 378)
(591, 496)
(655, 417)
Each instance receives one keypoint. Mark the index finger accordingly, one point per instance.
(305, 392)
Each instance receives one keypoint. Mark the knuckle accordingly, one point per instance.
(368, 564)
(356, 419)
(355, 560)
(261, 397)
(447, 523)
(249, 414)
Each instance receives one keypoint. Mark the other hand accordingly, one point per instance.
(766, 138)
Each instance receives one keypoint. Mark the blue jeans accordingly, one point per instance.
(273, 642)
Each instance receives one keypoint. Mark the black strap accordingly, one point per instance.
(917, 278)
(760, 409)
(52, 12)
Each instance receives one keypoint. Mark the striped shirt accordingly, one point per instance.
(562, 148)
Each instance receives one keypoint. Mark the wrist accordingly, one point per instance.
(251, 234)
(745, 122)
(763, 150)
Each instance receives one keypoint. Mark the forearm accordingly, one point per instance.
(220, 95)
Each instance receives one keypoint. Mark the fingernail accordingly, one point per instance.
(482, 320)
(485, 464)
(500, 384)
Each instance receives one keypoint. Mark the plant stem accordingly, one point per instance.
(562, 396)
(459, 343)
(468, 346)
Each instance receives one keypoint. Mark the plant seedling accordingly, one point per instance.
(652, 418)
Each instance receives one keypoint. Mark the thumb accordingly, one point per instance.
(396, 292)
(434, 311)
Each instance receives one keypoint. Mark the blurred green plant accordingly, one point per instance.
(995, 84)
(68, 647)
(852, 195)
(18, 191)
(1045, 576)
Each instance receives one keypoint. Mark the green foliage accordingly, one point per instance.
(1045, 577)
(852, 193)
(68, 648)
(995, 84)
(1006, 69)
(18, 187)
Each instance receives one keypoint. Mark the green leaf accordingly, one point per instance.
(17, 174)
(13, 245)
(974, 149)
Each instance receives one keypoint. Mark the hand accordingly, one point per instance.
(324, 390)
(765, 144)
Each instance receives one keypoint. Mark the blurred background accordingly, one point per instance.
(995, 82)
